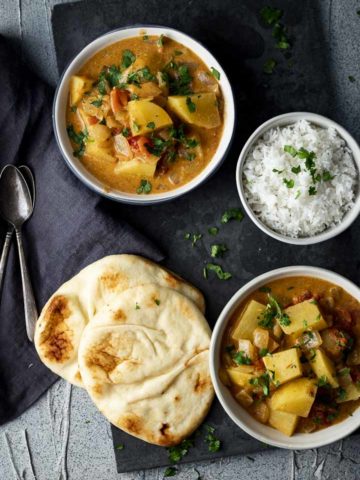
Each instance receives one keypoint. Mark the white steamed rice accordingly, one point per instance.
(292, 211)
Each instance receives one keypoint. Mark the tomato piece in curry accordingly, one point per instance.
(145, 115)
(291, 354)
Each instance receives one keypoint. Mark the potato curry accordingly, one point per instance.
(145, 115)
(291, 354)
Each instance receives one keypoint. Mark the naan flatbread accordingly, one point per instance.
(144, 362)
(76, 302)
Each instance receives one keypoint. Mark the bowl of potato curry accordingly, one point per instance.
(144, 114)
(285, 357)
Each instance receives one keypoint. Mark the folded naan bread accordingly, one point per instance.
(64, 317)
(144, 362)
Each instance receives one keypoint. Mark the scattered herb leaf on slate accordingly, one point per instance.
(270, 15)
(170, 472)
(269, 66)
(176, 453)
(213, 442)
(195, 238)
(212, 267)
(213, 231)
(120, 446)
(232, 214)
(351, 79)
(218, 250)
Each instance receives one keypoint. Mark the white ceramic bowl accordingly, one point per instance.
(287, 119)
(238, 414)
(61, 98)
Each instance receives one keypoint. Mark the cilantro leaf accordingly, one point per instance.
(215, 73)
(145, 187)
(218, 250)
(270, 15)
(213, 231)
(291, 150)
(128, 58)
(269, 66)
(212, 267)
(289, 183)
(232, 214)
(191, 105)
(170, 472)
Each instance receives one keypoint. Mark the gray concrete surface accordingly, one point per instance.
(63, 436)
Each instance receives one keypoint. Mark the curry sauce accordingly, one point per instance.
(291, 354)
(145, 115)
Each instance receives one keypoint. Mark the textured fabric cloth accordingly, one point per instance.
(68, 230)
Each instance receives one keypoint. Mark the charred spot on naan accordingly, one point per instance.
(56, 338)
(119, 316)
(131, 422)
(113, 281)
(202, 384)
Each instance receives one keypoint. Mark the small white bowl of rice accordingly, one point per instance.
(298, 178)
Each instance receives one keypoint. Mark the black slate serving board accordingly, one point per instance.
(233, 31)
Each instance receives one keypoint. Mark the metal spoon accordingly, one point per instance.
(16, 207)
(29, 178)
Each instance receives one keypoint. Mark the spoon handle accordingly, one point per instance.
(4, 255)
(31, 314)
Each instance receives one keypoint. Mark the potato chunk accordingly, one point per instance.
(349, 392)
(303, 316)
(284, 366)
(285, 422)
(261, 338)
(146, 117)
(136, 166)
(248, 321)
(99, 152)
(323, 367)
(198, 109)
(239, 378)
(99, 134)
(295, 397)
(78, 86)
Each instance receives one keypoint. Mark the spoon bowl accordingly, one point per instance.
(15, 199)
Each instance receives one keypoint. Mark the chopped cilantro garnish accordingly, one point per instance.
(214, 443)
(145, 187)
(213, 230)
(343, 371)
(175, 454)
(157, 301)
(179, 84)
(151, 125)
(218, 250)
(137, 306)
(145, 37)
(73, 108)
(275, 170)
(97, 102)
(80, 138)
(296, 170)
(140, 76)
(269, 66)
(326, 176)
(273, 311)
(232, 214)
(177, 53)
(291, 150)
(195, 238)
(341, 394)
(323, 382)
(187, 236)
(133, 96)
(128, 58)
(126, 132)
(241, 359)
(160, 41)
(170, 472)
(351, 79)
(190, 105)
(265, 289)
(135, 127)
(263, 352)
(270, 15)
(312, 191)
(289, 183)
(212, 267)
(215, 73)
(298, 193)
(120, 446)
(262, 381)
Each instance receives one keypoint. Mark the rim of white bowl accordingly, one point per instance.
(237, 413)
(61, 95)
(287, 119)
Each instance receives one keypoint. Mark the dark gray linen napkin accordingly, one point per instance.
(67, 231)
